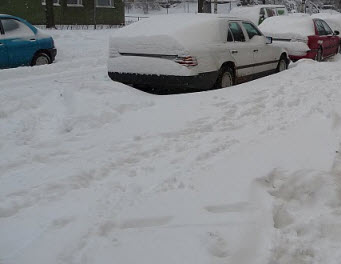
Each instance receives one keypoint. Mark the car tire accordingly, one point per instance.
(41, 58)
(226, 78)
(319, 54)
(282, 64)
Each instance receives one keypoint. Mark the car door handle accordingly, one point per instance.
(234, 51)
(32, 39)
(255, 50)
(1, 44)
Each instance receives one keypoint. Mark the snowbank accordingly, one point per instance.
(93, 171)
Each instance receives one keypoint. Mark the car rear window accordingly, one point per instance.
(237, 31)
(14, 28)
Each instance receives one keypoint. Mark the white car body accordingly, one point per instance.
(154, 51)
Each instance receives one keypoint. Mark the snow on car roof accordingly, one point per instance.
(191, 27)
(288, 26)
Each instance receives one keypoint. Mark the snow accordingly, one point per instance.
(295, 48)
(185, 28)
(251, 13)
(288, 27)
(144, 65)
(93, 171)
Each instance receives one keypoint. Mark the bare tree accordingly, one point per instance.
(49, 14)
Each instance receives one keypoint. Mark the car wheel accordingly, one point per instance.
(226, 78)
(41, 59)
(282, 64)
(319, 56)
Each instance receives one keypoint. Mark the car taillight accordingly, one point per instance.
(187, 61)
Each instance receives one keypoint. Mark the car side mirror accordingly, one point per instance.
(268, 40)
(336, 33)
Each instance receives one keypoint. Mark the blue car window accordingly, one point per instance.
(15, 29)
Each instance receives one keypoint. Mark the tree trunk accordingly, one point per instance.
(49, 14)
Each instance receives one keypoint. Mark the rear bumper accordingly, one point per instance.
(167, 83)
(311, 54)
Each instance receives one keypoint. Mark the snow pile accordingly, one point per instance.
(93, 171)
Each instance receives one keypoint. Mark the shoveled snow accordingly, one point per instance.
(93, 171)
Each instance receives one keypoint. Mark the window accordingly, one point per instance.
(105, 3)
(15, 29)
(327, 29)
(229, 36)
(237, 31)
(320, 28)
(55, 2)
(69, 2)
(281, 11)
(74, 2)
(270, 12)
(251, 30)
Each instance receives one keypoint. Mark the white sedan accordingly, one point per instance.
(192, 52)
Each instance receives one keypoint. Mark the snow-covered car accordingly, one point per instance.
(302, 36)
(258, 13)
(328, 9)
(22, 44)
(193, 51)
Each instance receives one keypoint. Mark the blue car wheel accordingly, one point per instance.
(41, 59)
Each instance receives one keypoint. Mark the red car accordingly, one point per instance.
(302, 36)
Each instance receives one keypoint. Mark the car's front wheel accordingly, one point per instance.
(226, 78)
(41, 59)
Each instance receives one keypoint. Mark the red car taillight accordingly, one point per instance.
(187, 61)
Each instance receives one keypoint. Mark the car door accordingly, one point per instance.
(323, 40)
(3, 50)
(20, 42)
(240, 49)
(265, 56)
(332, 40)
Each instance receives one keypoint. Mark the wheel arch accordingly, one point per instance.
(47, 52)
(231, 65)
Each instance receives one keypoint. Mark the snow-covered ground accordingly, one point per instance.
(93, 171)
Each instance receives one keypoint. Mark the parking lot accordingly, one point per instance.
(93, 170)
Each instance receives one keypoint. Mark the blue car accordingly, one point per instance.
(22, 44)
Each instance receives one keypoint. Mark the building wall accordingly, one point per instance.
(34, 12)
